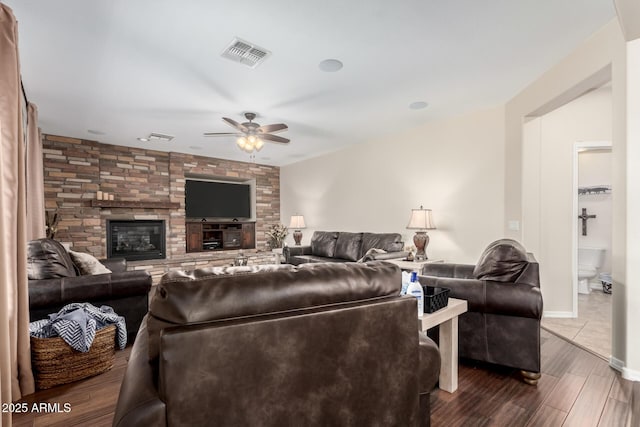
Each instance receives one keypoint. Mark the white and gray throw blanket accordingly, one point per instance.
(371, 254)
(77, 324)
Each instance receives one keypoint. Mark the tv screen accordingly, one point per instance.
(208, 199)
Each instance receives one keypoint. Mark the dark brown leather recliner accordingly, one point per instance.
(54, 282)
(502, 325)
(314, 345)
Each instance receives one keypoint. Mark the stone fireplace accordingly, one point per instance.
(136, 240)
(147, 185)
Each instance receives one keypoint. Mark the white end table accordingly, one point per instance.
(412, 265)
(447, 318)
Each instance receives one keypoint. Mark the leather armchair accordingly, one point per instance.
(319, 344)
(502, 325)
(55, 282)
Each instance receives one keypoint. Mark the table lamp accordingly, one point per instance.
(296, 224)
(421, 220)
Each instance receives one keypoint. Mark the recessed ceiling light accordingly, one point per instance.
(95, 132)
(330, 65)
(418, 105)
(143, 139)
(195, 147)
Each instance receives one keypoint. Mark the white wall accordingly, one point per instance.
(594, 168)
(604, 56)
(600, 59)
(548, 189)
(454, 167)
(632, 160)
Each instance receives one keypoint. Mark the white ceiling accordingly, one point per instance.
(128, 68)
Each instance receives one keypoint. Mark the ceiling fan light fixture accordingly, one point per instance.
(252, 136)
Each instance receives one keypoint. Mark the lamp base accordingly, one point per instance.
(297, 236)
(421, 240)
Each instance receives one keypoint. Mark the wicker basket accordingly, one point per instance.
(55, 362)
(435, 298)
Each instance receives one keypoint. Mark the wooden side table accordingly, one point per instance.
(447, 318)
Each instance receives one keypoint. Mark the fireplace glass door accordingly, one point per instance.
(136, 240)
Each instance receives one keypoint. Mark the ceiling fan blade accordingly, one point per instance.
(274, 138)
(219, 133)
(279, 127)
(235, 124)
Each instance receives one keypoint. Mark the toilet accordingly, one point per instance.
(589, 261)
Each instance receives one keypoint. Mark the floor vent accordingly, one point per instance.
(245, 53)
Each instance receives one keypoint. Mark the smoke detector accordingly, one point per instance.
(245, 53)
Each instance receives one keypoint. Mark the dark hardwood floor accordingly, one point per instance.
(577, 388)
(92, 401)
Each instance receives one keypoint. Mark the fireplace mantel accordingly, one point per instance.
(131, 204)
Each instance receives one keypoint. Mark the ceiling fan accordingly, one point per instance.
(251, 136)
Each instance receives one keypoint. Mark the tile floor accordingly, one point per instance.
(592, 327)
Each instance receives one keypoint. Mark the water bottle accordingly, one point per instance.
(415, 290)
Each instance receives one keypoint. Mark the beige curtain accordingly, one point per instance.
(16, 377)
(35, 177)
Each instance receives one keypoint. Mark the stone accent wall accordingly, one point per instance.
(75, 169)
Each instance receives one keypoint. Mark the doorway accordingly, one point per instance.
(550, 203)
(592, 231)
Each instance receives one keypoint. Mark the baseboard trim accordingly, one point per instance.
(627, 374)
(616, 364)
(630, 374)
(558, 314)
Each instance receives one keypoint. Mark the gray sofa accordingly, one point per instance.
(341, 246)
(280, 345)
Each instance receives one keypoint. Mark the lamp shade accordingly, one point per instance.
(421, 219)
(297, 222)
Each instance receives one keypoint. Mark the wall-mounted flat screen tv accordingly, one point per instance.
(211, 199)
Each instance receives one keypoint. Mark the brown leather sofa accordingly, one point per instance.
(502, 325)
(54, 281)
(334, 246)
(280, 345)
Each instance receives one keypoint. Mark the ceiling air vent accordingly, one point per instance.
(154, 136)
(245, 53)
